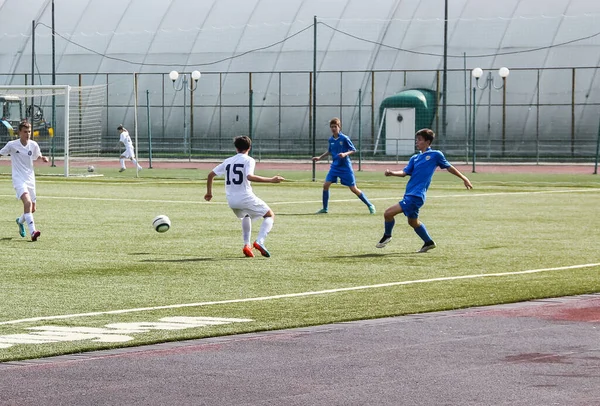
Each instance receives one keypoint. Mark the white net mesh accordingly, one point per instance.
(86, 105)
(74, 132)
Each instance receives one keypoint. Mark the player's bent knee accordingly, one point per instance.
(414, 222)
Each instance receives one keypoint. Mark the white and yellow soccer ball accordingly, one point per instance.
(161, 223)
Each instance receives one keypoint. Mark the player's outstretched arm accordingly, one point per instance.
(457, 173)
(395, 173)
(274, 179)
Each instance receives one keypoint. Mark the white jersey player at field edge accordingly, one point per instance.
(129, 152)
(239, 172)
(23, 152)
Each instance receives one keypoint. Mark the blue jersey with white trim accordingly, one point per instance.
(421, 168)
(338, 145)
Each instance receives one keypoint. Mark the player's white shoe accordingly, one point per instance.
(427, 246)
(384, 240)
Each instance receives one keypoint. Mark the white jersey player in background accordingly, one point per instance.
(129, 152)
(23, 152)
(239, 172)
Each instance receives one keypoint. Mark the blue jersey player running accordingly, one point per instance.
(340, 149)
(420, 168)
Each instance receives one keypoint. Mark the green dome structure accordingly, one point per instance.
(401, 115)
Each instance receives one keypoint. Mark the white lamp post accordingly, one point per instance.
(489, 83)
(183, 84)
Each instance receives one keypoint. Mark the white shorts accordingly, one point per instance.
(129, 154)
(250, 206)
(25, 189)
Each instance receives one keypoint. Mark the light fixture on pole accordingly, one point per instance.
(184, 85)
(489, 83)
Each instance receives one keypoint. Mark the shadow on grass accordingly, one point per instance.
(184, 260)
(381, 255)
(305, 214)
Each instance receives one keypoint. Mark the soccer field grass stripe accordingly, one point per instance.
(300, 294)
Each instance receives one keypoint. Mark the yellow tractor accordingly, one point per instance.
(12, 115)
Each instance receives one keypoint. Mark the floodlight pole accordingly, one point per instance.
(489, 83)
(445, 76)
(32, 69)
(473, 115)
(314, 99)
(52, 151)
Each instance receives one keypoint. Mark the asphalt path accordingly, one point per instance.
(544, 352)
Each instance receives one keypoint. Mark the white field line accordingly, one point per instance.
(397, 198)
(293, 295)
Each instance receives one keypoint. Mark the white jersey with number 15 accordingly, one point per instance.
(236, 170)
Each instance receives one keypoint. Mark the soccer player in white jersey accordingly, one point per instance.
(239, 172)
(23, 152)
(129, 153)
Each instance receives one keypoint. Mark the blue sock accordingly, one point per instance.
(325, 199)
(364, 199)
(389, 225)
(422, 232)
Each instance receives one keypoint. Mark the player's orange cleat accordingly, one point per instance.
(248, 251)
(262, 249)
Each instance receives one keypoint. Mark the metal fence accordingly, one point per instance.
(537, 115)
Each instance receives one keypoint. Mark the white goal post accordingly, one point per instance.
(78, 119)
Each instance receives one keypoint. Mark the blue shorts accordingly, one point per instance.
(411, 205)
(346, 177)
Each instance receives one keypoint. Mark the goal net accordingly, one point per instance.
(66, 121)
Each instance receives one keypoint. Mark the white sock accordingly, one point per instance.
(122, 163)
(265, 227)
(29, 221)
(136, 163)
(246, 229)
(22, 219)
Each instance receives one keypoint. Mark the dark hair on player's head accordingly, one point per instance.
(427, 134)
(120, 127)
(24, 124)
(335, 121)
(242, 143)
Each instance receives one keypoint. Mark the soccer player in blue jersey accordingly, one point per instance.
(420, 168)
(340, 149)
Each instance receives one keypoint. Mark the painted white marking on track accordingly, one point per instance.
(301, 294)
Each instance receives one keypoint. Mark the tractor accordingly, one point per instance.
(12, 114)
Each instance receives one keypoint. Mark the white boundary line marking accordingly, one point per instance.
(397, 198)
(301, 294)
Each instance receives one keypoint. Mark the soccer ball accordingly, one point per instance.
(161, 223)
(91, 168)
